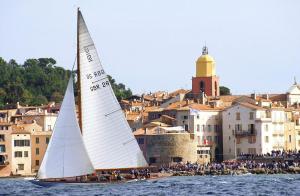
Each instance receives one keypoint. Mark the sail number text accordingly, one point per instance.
(99, 86)
(95, 74)
(88, 54)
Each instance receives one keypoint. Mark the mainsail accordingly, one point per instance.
(66, 155)
(106, 133)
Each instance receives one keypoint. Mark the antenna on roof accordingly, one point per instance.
(295, 81)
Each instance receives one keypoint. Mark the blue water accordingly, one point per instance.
(194, 185)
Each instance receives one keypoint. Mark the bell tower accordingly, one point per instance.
(206, 80)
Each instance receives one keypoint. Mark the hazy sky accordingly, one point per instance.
(153, 45)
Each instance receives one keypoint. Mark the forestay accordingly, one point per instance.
(106, 133)
(66, 155)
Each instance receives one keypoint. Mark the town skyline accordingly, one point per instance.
(255, 52)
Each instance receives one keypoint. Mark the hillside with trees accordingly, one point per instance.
(39, 81)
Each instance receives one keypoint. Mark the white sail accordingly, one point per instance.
(66, 155)
(106, 133)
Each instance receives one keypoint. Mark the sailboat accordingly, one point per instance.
(101, 139)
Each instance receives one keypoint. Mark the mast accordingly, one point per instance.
(78, 73)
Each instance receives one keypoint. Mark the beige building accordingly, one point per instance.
(164, 146)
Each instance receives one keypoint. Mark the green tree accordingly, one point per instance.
(224, 90)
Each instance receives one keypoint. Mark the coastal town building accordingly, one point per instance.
(24, 135)
(163, 145)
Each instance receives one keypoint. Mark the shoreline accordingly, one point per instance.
(241, 171)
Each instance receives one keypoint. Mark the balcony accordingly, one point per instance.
(245, 133)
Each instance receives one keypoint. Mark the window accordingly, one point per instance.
(49, 128)
(198, 128)
(209, 127)
(203, 128)
(238, 151)
(21, 142)
(251, 128)
(152, 160)
(25, 153)
(185, 117)
(216, 128)
(229, 138)
(2, 138)
(37, 162)
(238, 140)
(198, 117)
(2, 148)
(202, 86)
(47, 140)
(177, 159)
(267, 139)
(238, 127)
(251, 115)
(37, 140)
(209, 138)
(37, 151)
(251, 139)
(290, 138)
(238, 116)
(267, 127)
(20, 166)
(18, 153)
(140, 140)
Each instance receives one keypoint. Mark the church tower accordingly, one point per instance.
(206, 80)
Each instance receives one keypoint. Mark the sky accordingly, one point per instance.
(152, 45)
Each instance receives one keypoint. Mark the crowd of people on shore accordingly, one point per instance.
(234, 165)
(272, 154)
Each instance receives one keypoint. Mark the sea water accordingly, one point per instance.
(190, 185)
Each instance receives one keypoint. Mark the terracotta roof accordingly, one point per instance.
(133, 116)
(248, 105)
(251, 106)
(179, 91)
(278, 97)
(204, 107)
(228, 98)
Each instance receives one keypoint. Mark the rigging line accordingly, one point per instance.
(74, 63)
